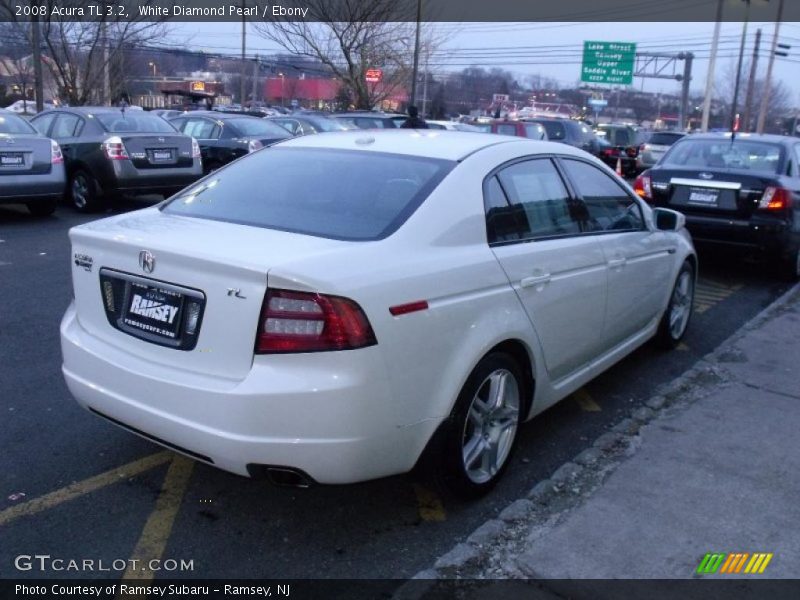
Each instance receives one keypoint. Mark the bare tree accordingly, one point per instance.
(349, 38)
(81, 52)
(780, 97)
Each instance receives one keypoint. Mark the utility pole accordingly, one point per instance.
(686, 81)
(762, 113)
(38, 82)
(255, 78)
(734, 106)
(415, 71)
(425, 87)
(106, 75)
(748, 102)
(712, 61)
(244, 64)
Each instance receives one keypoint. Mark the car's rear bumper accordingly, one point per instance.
(773, 236)
(290, 411)
(32, 188)
(127, 179)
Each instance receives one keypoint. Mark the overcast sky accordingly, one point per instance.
(554, 49)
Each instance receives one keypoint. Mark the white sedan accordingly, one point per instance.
(337, 308)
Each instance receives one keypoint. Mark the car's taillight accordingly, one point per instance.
(56, 156)
(254, 145)
(775, 198)
(643, 186)
(195, 149)
(114, 149)
(308, 322)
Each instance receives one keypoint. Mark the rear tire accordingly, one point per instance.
(83, 192)
(482, 430)
(676, 318)
(42, 208)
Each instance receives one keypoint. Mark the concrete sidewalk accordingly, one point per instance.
(713, 465)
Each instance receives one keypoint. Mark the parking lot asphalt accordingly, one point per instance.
(76, 487)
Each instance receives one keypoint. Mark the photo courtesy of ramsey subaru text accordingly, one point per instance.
(342, 307)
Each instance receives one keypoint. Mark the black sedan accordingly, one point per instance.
(741, 191)
(31, 166)
(224, 137)
(570, 132)
(110, 152)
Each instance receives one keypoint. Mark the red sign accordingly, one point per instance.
(373, 75)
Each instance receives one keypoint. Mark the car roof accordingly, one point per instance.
(219, 115)
(754, 137)
(430, 143)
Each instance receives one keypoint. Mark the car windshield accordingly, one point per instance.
(339, 194)
(256, 126)
(554, 129)
(724, 154)
(14, 124)
(133, 122)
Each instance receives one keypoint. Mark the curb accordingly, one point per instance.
(569, 485)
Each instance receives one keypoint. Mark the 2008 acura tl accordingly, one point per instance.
(335, 307)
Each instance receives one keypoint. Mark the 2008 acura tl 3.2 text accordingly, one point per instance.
(335, 307)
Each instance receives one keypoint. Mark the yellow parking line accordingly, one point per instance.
(430, 506)
(585, 401)
(80, 488)
(682, 347)
(159, 524)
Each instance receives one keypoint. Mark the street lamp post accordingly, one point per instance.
(152, 64)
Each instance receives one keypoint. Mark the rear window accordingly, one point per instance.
(554, 129)
(724, 154)
(338, 194)
(256, 126)
(133, 122)
(14, 124)
(664, 139)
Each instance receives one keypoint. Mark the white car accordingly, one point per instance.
(451, 126)
(333, 308)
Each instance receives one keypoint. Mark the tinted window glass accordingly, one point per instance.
(536, 187)
(554, 129)
(797, 153)
(535, 131)
(608, 205)
(65, 126)
(323, 124)
(506, 129)
(14, 124)
(349, 195)
(133, 121)
(504, 222)
(722, 154)
(289, 125)
(664, 138)
(42, 124)
(256, 126)
(484, 127)
(201, 129)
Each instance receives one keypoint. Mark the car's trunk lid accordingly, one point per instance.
(22, 154)
(143, 279)
(158, 150)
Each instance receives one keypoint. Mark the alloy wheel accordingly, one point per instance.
(681, 305)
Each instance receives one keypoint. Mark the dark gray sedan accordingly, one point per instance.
(31, 166)
(111, 152)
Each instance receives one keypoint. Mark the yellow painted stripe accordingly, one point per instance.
(585, 401)
(80, 488)
(158, 528)
(711, 297)
(753, 560)
(765, 563)
(429, 505)
(759, 559)
(731, 559)
(682, 347)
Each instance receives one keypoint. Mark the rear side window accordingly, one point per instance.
(535, 131)
(201, 129)
(505, 129)
(608, 206)
(555, 130)
(339, 194)
(42, 124)
(67, 125)
(538, 199)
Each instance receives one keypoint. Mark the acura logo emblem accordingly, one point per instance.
(147, 261)
(706, 175)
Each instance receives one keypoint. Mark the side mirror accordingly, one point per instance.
(668, 220)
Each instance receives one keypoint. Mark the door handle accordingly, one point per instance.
(615, 263)
(535, 280)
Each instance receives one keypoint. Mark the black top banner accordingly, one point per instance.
(397, 10)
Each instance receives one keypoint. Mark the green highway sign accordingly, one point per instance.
(608, 62)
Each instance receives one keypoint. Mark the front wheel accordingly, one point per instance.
(483, 427)
(675, 321)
